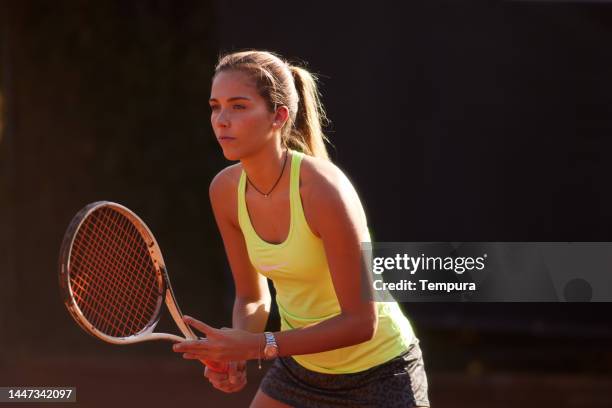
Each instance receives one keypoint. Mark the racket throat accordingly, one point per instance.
(176, 314)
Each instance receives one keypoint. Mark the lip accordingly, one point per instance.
(226, 139)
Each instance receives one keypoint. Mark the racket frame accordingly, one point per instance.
(163, 281)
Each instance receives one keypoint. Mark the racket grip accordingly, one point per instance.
(216, 366)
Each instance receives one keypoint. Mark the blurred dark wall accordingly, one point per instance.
(463, 121)
(479, 120)
(456, 121)
(106, 101)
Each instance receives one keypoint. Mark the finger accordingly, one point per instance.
(192, 356)
(214, 375)
(220, 383)
(215, 365)
(226, 379)
(237, 380)
(203, 356)
(200, 326)
(233, 372)
(229, 390)
(190, 345)
(219, 378)
(225, 387)
(239, 385)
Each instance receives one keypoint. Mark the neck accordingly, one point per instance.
(264, 167)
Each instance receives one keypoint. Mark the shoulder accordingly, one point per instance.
(329, 194)
(323, 180)
(225, 180)
(223, 189)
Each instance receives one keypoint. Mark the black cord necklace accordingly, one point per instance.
(277, 180)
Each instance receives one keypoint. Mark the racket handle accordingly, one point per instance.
(216, 366)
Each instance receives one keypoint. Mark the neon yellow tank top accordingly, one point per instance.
(305, 293)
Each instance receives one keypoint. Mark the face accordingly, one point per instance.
(239, 116)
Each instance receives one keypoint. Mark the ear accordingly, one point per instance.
(280, 116)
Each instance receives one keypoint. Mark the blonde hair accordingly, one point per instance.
(283, 84)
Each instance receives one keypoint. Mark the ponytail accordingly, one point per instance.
(307, 133)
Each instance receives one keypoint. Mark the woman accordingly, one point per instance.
(285, 212)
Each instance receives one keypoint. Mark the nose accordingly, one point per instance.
(221, 120)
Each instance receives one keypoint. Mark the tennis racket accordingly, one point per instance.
(114, 280)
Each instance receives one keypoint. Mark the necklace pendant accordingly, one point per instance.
(265, 196)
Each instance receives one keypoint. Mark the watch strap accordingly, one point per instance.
(270, 342)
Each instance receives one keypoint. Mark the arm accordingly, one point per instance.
(339, 219)
(252, 302)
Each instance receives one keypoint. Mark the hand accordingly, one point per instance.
(221, 345)
(232, 381)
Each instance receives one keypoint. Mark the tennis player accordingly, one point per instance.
(287, 213)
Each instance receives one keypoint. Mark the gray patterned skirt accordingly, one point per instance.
(400, 382)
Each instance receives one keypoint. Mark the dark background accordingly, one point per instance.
(456, 121)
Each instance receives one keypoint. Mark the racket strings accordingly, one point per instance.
(105, 305)
(103, 288)
(139, 260)
(113, 278)
(122, 306)
(113, 260)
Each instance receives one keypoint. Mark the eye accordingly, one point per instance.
(239, 107)
(214, 107)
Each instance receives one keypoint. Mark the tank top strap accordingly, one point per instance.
(298, 217)
(243, 218)
(294, 186)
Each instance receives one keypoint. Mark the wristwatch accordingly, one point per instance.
(271, 348)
